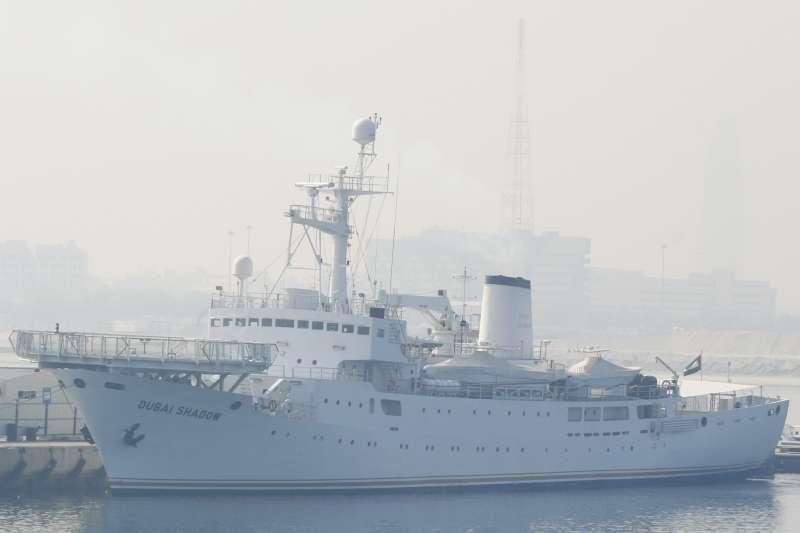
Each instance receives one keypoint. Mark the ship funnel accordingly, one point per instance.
(506, 318)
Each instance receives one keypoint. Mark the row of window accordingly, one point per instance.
(614, 412)
(389, 407)
(317, 325)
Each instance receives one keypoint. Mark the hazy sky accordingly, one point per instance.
(145, 130)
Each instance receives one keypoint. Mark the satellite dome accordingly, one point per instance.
(243, 267)
(364, 131)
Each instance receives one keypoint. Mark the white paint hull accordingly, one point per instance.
(454, 442)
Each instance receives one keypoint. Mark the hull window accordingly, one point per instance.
(284, 323)
(226, 322)
(241, 322)
(391, 407)
(591, 414)
(252, 322)
(347, 328)
(574, 414)
(651, 411)
(215, 323)
(318, 325)
(615, 412)
(363, 330)
(333, 326)
(302, 324)
(266, 322)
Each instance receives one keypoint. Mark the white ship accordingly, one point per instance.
(348, 406)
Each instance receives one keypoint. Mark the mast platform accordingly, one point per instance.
(102, 351)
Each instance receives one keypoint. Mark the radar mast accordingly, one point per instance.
(341, 190)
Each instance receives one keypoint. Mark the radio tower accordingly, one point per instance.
(518, 204)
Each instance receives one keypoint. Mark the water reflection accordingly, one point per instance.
(751, 505)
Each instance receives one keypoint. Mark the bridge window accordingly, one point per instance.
(302, 324)
(266, 322)
(226, 322)
(619, 412)
(333, 326)
(363, 330)
(317, 324)
(284, 323)
(241, 322)
(591, 414)
(215, 323)
(574, 414)
(391, 407)
(347, 328)
(651, 411)
(252, 322)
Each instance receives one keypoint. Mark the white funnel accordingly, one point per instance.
(506, 318)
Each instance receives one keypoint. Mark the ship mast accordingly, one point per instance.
(342, 189)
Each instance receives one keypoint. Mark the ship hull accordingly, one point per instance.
(193, 439)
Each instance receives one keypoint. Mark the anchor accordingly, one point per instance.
(130, 438)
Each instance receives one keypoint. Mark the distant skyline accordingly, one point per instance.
(146, 132)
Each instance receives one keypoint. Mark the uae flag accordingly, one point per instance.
(695, 366)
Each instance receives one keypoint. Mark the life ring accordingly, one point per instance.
(272, 405)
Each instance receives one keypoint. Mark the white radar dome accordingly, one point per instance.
(364, 131)
(243, 267)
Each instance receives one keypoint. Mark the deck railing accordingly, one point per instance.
(35, 345)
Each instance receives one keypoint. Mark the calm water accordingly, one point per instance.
(772, 505)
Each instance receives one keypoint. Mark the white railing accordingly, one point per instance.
(34, 345)
(723, 401)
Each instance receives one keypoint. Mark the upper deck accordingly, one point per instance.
(140, 352)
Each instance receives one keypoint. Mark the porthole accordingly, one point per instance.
(337, 402)
(273, 432)
(438, 411)
(299, 361)
(314, 362)
(235, 405)
(523, 413)
(352, 442)
(79, 383)
(522, 450)
(340, 441)
(489, 412)
(474, 412)
(509, 413)
(704, 421)
(325, 400)
(497, 449)
(508, 449)
(360, 405)
(423, 409)
(449, 411)
(349, 404)
(287, 433)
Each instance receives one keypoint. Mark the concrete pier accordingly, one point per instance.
(57, 465)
